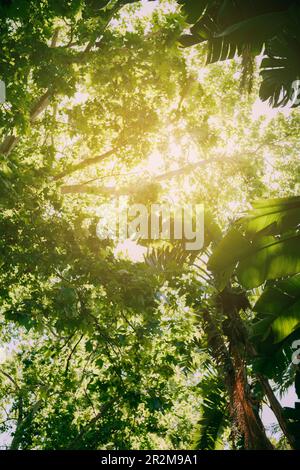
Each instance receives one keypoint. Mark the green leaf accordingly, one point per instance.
(285, 324)
(277, 215)
(278, 310)
(227, 254)
(229, 250)
(270, 258)
(257, 29)
(214, 413)
(188, 40)
(193, 9)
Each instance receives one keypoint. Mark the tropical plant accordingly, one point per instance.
(174, 349)
(249, 29)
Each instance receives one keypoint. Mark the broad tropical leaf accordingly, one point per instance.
(278, 309)
(273, 216)
(226, 255)
(263, 245)
(230, 26)
(269, 258)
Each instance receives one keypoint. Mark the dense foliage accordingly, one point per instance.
(162, 348)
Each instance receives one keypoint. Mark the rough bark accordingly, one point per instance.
(274, 403)
(241, 407)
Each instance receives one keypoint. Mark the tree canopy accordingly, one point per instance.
(141, 344)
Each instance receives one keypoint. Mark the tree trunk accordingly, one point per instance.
(241, 407)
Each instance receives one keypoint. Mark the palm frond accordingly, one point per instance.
(214, 415)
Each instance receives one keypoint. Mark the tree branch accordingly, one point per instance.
(71, 354)
(86, 163)
(82, 188)
(277, 410)
(75, 442)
